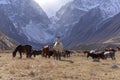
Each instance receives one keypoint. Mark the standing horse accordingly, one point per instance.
(118, 48)
(57, 49)
(45, 51)
(110, 53)
(23, 49)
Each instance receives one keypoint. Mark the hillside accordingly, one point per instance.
(7, 43)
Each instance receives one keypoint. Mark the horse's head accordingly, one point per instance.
(14, 54)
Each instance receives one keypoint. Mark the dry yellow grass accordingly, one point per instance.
(77, 67)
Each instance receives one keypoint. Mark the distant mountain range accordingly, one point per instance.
(78, 22)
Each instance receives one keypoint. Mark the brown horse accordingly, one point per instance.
(23, 49)
(45, 51)
(118, 48)
(85, 52)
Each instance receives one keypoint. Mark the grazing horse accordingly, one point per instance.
(57, 50)
(35, 52)
(99, 55)
(23, 49)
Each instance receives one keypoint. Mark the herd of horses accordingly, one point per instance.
(97, 55)
(44, 52)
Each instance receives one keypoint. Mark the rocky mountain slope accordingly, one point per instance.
(6, 43)
(94, 26)
(27, 24)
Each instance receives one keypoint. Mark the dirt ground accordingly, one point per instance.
(77, 67)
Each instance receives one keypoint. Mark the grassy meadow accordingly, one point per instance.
(77, 67)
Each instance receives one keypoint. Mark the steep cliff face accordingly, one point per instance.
(28, 23)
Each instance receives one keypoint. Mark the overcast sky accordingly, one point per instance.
(51, 6)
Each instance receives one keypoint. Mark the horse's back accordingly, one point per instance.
(24, 48)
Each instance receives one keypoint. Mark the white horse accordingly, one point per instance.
(58, 47)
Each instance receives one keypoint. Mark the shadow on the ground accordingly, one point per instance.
(70, 61)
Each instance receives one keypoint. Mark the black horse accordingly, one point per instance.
(66, 53)
(110, 54)
(23, 49)
(99, 55)
(35, 52)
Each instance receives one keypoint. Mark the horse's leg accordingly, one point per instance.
(114, 56)
(20, 54)
(69, 54)
(27, 55)
(30, 55)
(55, 56)
(46, 55)
(59, 55)
(42, 53)
(34, 55)
(49, 55)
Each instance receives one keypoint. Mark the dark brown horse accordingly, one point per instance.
(36, 52)
(66, 53)
(118, 48)
(45, 51)
(23, 49)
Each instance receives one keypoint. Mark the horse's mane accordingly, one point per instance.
(16, 49)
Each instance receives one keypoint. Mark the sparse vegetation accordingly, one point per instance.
(39, 68)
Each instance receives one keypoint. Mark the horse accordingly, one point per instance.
(118, 48)
(35, 52)
(110, 53)
(57, 50)
(85, 52)
(99, 55)
(66, 53)
(23, 49)
(45, 51)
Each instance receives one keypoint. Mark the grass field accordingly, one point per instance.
(77, 67)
